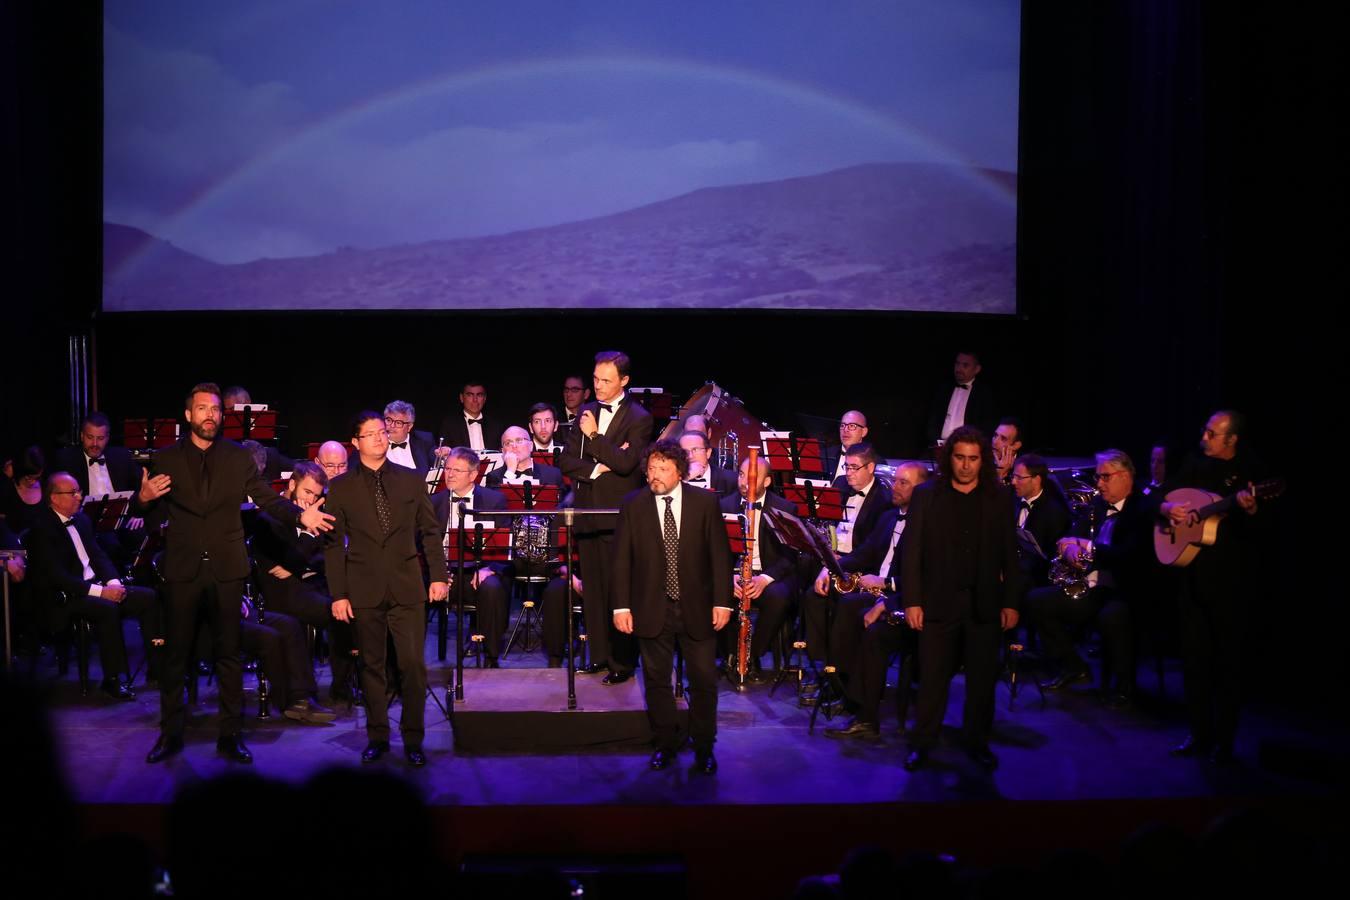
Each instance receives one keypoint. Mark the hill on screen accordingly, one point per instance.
(897, 236)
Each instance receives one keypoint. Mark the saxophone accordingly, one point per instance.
(852, 581)
(740, 665)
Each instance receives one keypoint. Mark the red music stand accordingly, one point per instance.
(107, 513)
(249, 423)
(788, 453)
(656, 401)
(818, 503)
(540, 496)
(149, 434)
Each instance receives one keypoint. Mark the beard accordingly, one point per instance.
(206, 430)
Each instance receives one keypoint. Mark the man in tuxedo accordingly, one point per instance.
(603, 458)
(101, 470)
(277, 462)
(332, 457)
(1007, 443)
(961, 583)
(575, 394)
(773, 586)
(483, 580)
(408, 447)
(1214, 599)
(962, 403)
(877, 561)
(380, 513)
(198, 486)
(1042, 515)
(291, 574)
(518, 465)
(702, 474)
(64, 557)
(672, 581)
(470, 426)
(852, 431)
(543, 422)
(1118, 534)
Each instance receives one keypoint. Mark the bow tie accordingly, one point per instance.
(862, 494)
(70, 523)
(457, 499)
(398, 445)
(607, 407)
(962, 387)
(478, 421)
(757, 505)
(901, 517)
(525, 473)
(99, 461)
(703, 479)
(1111, 511)
(1024, 504)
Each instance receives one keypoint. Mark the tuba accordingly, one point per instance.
(1071, 577)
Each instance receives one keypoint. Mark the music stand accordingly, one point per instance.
(526, 496)
(818, 504)
(143, 435)
(786, 452)
(250, 421)
(107, 513)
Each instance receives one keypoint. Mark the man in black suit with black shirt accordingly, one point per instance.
(672, 581)
(603, 458)
(702, 474)
(484, 587)
(961, 403)
(774, 586)
(65, 557)
(1118, 533)
(381, 511)
(960, 582)
(408, 447)
(198, 486)
(471, 427)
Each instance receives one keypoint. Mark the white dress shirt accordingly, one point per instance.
(844, 530)
(95, 589)
(602, 423)
(402, 456)
(956, 408)
(100, 482)
(898, 530)
(474, 427)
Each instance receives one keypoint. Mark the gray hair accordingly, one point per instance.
(1118, 458)
(401, 408)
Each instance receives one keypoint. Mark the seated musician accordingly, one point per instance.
(1108, 552)
(702, 473)
(576, 391)
(867, 498)
(1042, 513)
(277, 462)
(332, 458)
(543, 422)
(1007, 443)
(470, 426)
(877, 562)
(852, 431)
(408, 447)
(101, 470)
(21, 499)
(518, 465)
(278, 642)
(291, 571)
(484, 587)
(773, 588)
(77, 578)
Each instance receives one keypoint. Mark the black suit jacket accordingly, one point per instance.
(422, 446)
(631, 425)
(722, 482)
(210, 524)
(928, 568)
(876, 503)
(981, 410)
(485, 499)
(775, 560)
(542, 473)
(123, 469)
(1129, 556)
(867, 557)
(639, 582)
(52, 558)
(361, 562)
(455, 431)
(274, 543)
(1048, 521)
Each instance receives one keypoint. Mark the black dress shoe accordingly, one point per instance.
(231, 746)
(662, 759)
(164, 748)
(916, 759)
(616, 677)
(491, 663)
(1192, 746)
(592, 669)
(116, 689)
(1064, 679)
(704, 762)
(855, 728)
(416, 757)
(983, 757)
(309, 711)
(374, 750)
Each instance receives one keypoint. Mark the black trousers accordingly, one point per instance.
(406, 624)
(775, 605)
(607, 645)
(866, 685)
(700, 662)
(140, 603)
(308, 600)
(554, 604)
(494, 607)
(278, 641)
(846, 631)
(1055, 614)
(217, 603)
(940, 650)
(1212, 618)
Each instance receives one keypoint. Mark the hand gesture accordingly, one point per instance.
(914, 616)
(721, 616)
(315, 519)
(153, 488)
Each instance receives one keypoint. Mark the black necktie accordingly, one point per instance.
(607, 407)
(382, 502)
(100, 461)
(672, 542)
(398, 445)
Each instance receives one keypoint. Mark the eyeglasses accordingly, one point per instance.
(1106, 476)
(572, 390)
(851, 426)
(76, 491)
(516, 440)
(334, 467)
(1016, 477)
(855, 467)
(692, 450)
(460, 471)
(399, 423)
(372, 434)
(1211, 433)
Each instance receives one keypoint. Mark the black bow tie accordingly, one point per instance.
(524, 473)
(398, 445)
(457, 499)
(100, 461)
(901, 517)
(756, 505)
(477, 421)
(1024, 504)
(962, 387)
(70, 523)
(1111, 511)
(702, 478)
(609, 408)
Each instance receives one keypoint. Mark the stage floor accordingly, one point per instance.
(1071, 748)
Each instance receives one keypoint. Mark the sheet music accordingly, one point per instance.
(818, 482)
(115, 495)
(249, 407)
(775, 435)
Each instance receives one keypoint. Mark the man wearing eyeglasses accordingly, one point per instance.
(1007, 441)
(332, 457)
(518, 465)
(852, 431)
(381, 514)
(1042, 515)
(702, 474)
(1117, 533)
(408, 447)
(483, 585)
(575, 392)
(470, 426)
